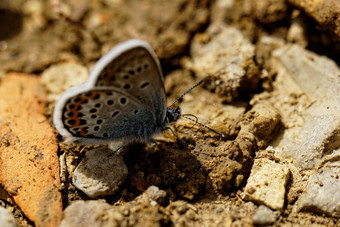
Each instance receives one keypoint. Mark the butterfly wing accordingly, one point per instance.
(123, 98)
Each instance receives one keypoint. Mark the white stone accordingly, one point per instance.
(264, 216)
(6, 218)
(322, 194)
(317, 77)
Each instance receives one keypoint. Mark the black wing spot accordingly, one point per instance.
(105, 134)
(139, 69)
(97, 96)
(110, 93)
(125, 120)
(98, 105)
(126, 77)
(131, 72)
(146, 66)
(77, 99)
(71, 122)
(82, 122)
(145, 84)
(85, 101)
(99, 121)
(115, 113)
(126, 86)
(71, 106)
(93, 116)
(70, 114)
(122, 100)
(96, 128)
(79, 107)
(110, 102)
(93, 110)
(135, 111)
(80, 115)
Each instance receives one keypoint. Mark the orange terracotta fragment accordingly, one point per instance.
(29, 165)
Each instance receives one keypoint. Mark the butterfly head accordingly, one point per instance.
(172, 115)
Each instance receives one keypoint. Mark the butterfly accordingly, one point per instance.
(123, 99)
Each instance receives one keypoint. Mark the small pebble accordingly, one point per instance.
(264, 216)
(155, 194)
(219, 210)
(84, 213)
(6, 218)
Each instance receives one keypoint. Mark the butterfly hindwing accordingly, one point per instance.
(106, 114)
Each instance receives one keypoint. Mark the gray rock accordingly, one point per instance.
(266, 184)
(6, 218)
(100, 173)
(322, 195)
(264, 216)
(317, 77)
(84, 213)
(227, 56)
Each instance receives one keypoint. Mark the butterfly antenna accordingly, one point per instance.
(196, 122)
(189, 90)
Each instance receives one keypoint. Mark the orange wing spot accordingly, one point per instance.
(77, 122)
(82, 132)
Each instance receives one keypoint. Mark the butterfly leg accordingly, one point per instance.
(174, 133)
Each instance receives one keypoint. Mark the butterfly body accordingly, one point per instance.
(123, 99)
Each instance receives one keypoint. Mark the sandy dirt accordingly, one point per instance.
(205, 176)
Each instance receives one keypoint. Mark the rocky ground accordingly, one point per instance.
(273, 89)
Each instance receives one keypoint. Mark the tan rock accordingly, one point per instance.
(266, 184)
(325, 12)
(29, 166)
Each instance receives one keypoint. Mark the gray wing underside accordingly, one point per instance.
(137, 72)
(113, 115)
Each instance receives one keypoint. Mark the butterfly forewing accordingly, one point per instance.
(136, 71)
